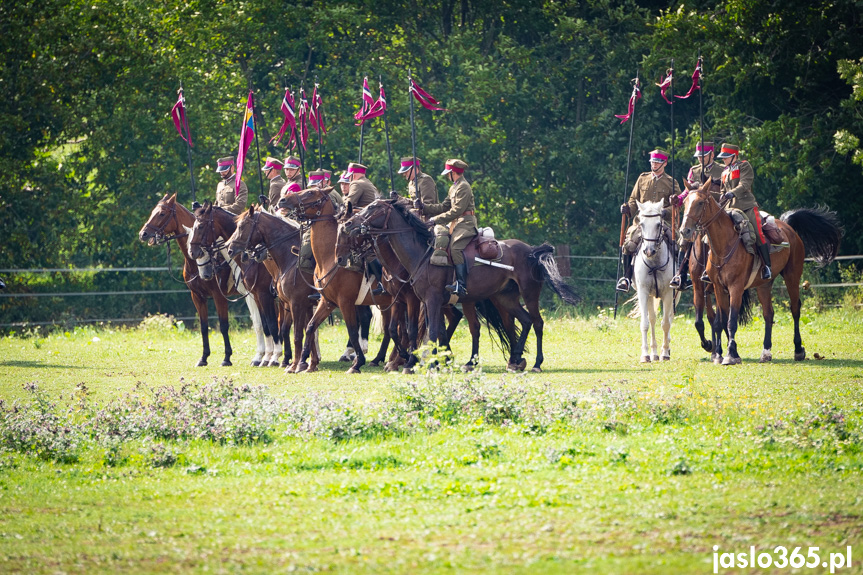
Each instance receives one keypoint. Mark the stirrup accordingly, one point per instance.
(675, 282)
(623, 284)
(314, 296)
(705, 278)
(379, 290)
(766, 273)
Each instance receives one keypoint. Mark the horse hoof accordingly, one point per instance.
(645, 359)
(375, 363)
(352, 370)
(346, 358)
(522, 364)
(253, 363)
(766, 356)
(468, 367)
(717, 359)
(655, 358)
(800, 356)
(285, 364)
(707, 346)
(301, 367)
(275, 363)
(731, 360)
(311, 369)
(536, 369)
(407, 371)
(201, 363)
(666, 357)
(227, 363)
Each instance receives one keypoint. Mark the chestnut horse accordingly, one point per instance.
(256, 230)
(339, 287)
(393, 222)
(169, 221)
(733, 270)
(207, 246)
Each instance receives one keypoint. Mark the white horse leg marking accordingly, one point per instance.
(257, 325)
(667, 320)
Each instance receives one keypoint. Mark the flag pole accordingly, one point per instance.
(188, 143)
(701, 110)
(320, 131)
(673, 209)
(413, 135)
(362, 133)
(257, 144)
(300, 136)
(626, 188)
(387, 132)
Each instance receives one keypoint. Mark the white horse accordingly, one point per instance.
(653, 270)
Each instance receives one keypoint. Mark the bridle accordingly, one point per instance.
(700, 228)
(158, 233)
(660, 236)
(299, 212)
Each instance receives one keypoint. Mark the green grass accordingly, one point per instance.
(677, 457)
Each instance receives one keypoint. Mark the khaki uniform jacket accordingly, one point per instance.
(714, 172)
(650, 189)
(428, 189)
(361, 193)
(738, 178)
(228, 200)
(337, 199)
(452, 211)
(276, 185)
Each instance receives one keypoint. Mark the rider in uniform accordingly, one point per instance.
(698, 174)
(272, 171)
(651, 186)
(226, 197)
(361, 192)
(737, 179)
(410, 170)
(456, 217)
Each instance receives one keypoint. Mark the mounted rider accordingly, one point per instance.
(652, 186)
(737, 180)
(410, 170)
(698, 175)
(321, 179)
(361, 192)
(272, 168)
(454, 220)
(293, 173)
(226, 197)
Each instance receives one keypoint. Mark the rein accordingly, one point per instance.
(704, 227)
(653, 270)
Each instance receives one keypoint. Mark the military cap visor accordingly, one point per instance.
(454, 165)
(407, 164)
(356, 169)
(272, 164)
(728, 150)
(708, 149)
(658, 156)
(224, 164)
(345, 178)
(292, 163)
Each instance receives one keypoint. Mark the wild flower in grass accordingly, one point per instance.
(160, 455)
(36, 428)
(680, 467)
(666, 412)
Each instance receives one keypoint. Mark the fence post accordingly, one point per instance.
(562, 258)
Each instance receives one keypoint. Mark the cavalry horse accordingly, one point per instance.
(653, 270)
(169, 221)
(207, 246)
(733, 270)
(410, 238)
(408, 312)
(339, 287)
(257, 231)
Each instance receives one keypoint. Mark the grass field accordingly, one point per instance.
(598, 465)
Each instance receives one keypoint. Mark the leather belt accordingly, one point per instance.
(467, 213)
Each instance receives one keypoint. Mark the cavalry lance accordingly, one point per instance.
(634, 100)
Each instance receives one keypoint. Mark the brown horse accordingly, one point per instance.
(392, 221)
(169, 221)
(207, 246)
(339, 287)
(407, 323)
(256, 231)
(732, 270)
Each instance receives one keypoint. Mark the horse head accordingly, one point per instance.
(652, 226)
(162, 220)
(246, 233)
(694, 207)
(372, 217)
(202, 231)
(306, 204)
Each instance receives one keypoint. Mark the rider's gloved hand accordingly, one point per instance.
(624, 209)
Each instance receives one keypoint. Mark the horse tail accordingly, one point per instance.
(745, 314)
(820, 230)
(488, 313)
(544, 266)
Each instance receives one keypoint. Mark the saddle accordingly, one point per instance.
(482, 245)
(772, 233)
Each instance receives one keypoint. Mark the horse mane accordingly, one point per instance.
(403, 206)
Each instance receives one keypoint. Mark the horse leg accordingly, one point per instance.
(645, 305)
(518, 362)
(287, 322)
(792, 282)
(735, 300)
(387, 317)
(473, 325)
(349, 312)
(203, 317)
(222, 310)
(323, 310)
(413, 327)
(532, 304)
(699, 300)
(667, 320)
(453, 316)
(434, 314)
(273, 304)
(255, 315)
(766, 299)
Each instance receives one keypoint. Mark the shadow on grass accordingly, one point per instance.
(20, 363)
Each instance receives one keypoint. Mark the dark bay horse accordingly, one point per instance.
(339, 287)
(392, 221)
(213, 225)
(733, 270)
(281, 239)
(169, 221)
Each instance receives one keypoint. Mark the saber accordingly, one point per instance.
(494, 264)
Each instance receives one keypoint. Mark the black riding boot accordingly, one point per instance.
(624, 283)
(460, 285)
(681, 281)
(764, 252)
(375, 269)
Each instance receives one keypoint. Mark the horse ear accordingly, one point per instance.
(349, 210)
(252, 210)
(174, 197)
(640, 206)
